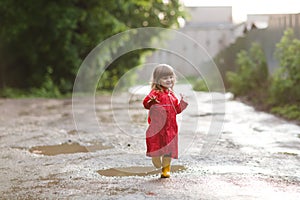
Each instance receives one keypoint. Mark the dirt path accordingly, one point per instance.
(43, 156)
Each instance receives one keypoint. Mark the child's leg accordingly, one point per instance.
(166, 166)
(157, 161)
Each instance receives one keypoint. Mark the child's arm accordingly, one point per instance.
(182, 105)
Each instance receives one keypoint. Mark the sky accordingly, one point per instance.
(240, 8)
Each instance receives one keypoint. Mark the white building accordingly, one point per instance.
(211, 28)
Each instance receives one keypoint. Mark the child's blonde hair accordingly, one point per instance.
(160, 71)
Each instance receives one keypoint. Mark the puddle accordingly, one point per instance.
(66, 148)
(137, 171)
(288, 153)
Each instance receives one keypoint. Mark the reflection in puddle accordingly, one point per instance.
(137, 171)
(66, 148)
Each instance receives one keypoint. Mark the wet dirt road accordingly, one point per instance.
(43, 156)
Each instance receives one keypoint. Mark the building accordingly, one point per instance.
(210, 29)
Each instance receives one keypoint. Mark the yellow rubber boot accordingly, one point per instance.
(157, 162)
(166, 167)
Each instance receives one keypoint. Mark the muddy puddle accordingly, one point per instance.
(137, 171)
(66, 148)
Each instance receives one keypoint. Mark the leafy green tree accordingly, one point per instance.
(42, 43)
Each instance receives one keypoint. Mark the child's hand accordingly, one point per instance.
(153, 99)
(183, 97)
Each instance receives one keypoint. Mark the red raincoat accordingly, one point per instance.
(162, 133)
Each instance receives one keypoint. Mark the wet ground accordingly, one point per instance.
(255, 156)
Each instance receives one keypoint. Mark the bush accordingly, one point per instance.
(252, 72)
(284, 91)
(200, 85)
(288, 111)
(285, 84)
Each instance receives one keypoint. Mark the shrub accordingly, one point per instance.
(284, 91)
(200, 85)
(285, 84)
(288, 111)
(252, 72)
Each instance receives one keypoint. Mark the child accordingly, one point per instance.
(162, 133)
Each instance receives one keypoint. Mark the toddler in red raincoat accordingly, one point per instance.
(162, 133)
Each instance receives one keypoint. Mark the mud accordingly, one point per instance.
(137, 171)
(65, 148)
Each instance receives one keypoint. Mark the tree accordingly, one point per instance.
(44, 42)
